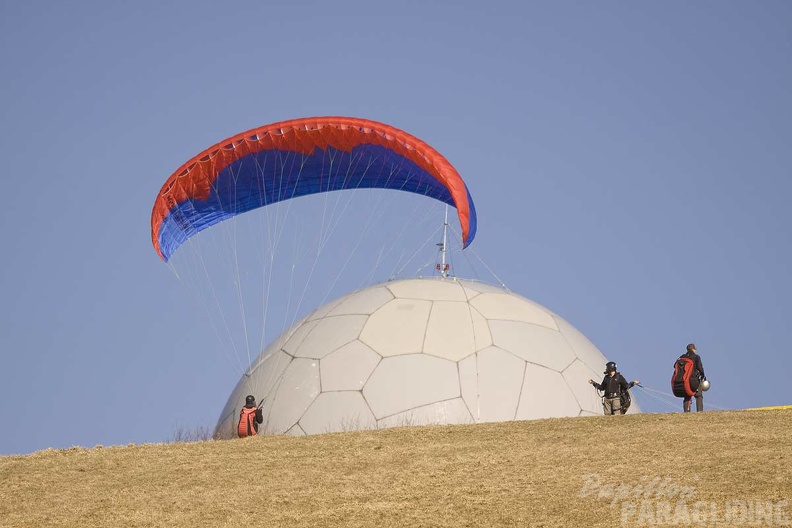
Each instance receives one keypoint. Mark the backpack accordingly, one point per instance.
(683, 383)
(625, 400)
(247, 417)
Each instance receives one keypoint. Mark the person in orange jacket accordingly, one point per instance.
(249, 418)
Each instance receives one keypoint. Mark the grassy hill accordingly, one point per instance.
(594, 471)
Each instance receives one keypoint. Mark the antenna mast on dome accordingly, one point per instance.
(443, 266)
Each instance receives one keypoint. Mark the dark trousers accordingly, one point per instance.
(699, 401)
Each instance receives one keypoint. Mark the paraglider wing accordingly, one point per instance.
(297, 158)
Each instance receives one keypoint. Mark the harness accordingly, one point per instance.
(625, 399)
(684, 380)
(247, 417)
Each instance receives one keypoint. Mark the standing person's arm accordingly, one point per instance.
(625, 385)
(700, 367)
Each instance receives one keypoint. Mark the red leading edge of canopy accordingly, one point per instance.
(194, 179)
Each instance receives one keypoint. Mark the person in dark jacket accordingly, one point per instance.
(249, 418)
(613, 385)
(695, 379)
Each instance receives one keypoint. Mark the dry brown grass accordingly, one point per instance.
(505, 474)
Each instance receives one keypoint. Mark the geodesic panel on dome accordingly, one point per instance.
(577, 376)
(363, 302)
(269, 369)
(474, 288)
(584, 349)
(481, 331)
(468, 384)
(511, 308)
(348, 368)
(297, 334)
(329, 334)
(323, 310)
(545, 393)
(430, 290)
(295, 430)
(406, 382)
(398, 327)
(450, 411)
(449, 333)
(297, 389)
(273, 360)
(536, 344)
(500, 376)
(333, 412)
(276, 345)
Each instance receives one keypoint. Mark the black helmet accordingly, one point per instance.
(610, 366)
(250, 400)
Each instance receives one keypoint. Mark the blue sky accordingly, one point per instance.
(630, 165)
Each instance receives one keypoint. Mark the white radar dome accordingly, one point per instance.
(417, 352)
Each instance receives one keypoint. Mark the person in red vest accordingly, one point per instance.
(249, 418)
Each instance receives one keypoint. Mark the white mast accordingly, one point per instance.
(443, 267)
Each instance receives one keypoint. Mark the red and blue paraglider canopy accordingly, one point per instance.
(296, 158)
